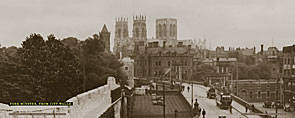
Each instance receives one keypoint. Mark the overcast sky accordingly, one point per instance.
(235, 23)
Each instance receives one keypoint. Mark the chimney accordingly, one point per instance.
(261, 48)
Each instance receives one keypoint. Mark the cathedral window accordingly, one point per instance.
(125, 33)
(119, 32)
(160, 30)
(136, 32)
(174, 30)
(143, 32)
(171, 30)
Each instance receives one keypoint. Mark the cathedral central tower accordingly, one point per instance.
(139, 28)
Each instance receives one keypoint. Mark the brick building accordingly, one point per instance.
(224, 71)
(288, 72)
(257, 90)
(157, 59)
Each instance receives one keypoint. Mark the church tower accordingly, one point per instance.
(166, 29)
(105, 37)
(121, 28)
(139, 34)
(121, 34)
(139, 28)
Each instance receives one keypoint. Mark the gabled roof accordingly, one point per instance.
(104, 28)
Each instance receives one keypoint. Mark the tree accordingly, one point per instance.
(40, 67)
(52, 66)
(97, 65)
(202, 70)
(259, 71)
(63, 74)
(32, 55)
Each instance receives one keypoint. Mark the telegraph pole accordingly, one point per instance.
(191, 78)
(237, 65)
(163, 98)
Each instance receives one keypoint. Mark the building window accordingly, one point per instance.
(168, 63)
(159, 63)
(250, 94)
(267, 94)
(259, 94)
(244, 92)
(126, 68)
(164, 30)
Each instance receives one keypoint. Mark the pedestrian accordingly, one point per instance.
(253, 108)
(246, 108)
(230, 109)
(203, 113)
(196, 104)
(188, 89)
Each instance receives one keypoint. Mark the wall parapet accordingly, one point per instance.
(85, 105)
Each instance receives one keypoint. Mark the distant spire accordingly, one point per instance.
(104, 28)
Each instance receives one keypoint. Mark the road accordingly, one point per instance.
(212, 111)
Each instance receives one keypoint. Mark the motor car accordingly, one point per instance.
(277, 104)
(160, 102)
(287, 108)
(154, 96)
(155, 102)
(267, 104)
(222, 116)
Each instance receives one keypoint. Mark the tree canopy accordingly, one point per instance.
(40, 67)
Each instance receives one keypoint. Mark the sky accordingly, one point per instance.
(228, 23)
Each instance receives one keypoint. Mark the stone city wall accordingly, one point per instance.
(90, 104)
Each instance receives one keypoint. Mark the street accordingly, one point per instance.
(212, 111)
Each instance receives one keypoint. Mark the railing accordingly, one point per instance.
(114, 110)
(184, 113)
(248, 105)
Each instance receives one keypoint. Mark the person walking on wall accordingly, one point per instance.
(203, 113)
(187, 88)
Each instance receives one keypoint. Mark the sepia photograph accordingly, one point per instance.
(147, 59)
